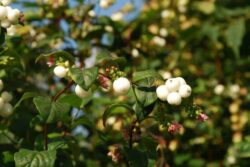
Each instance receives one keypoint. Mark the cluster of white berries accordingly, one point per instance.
(230, 90)
(6, 108)
(173, 91)
(121, 86)
(159, 41)
(8, 17)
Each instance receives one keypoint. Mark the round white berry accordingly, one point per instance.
(92, 13)
(173, 84)
(218, 90)
(60, 71)
(162, 92)
(135, 53)
(80, 92)
(163, 32)
(174, 98)
(3, 12)
(165, 74)
(159, 41)
(5, 23)
(181, 80)
(7, 110)
(185, 91)
(5, 2)
(11, 30)
(234, 89)
(117, 16)
(13, 15)
(1, 85)
(121, 85)
(1, 103)
(7, 97)
(104, 4)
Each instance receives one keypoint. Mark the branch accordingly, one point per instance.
(45, 132)
(63, 90)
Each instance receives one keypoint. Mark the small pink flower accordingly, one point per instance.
(104, 81)
(175, 127)
(114, 153)
(51, 61)
(202, 117)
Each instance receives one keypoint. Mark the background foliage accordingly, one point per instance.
(204, 41)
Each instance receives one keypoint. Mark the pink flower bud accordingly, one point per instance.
(51, 61)
(104, 81)
(175, 127)
(202, 117)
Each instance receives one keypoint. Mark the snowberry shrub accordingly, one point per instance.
(91, 89)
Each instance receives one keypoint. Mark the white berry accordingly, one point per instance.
(11, 30)
(162, 92)
(121, 85)
(7, 97)
(1, 103)
(92, 13)
(5, 23)
(173, 84)
(117, 16)
(163, 32)
(80, 92)
(174, 98)
(218, 90)
(7, 110)
(60, 71)
(13, 15)
(135, 53)
(3, 12)
(1, 85)
(181, 80)
(185, 91)
(104, 4)
(5, 2)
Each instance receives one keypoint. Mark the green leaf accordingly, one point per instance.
(59, 111)
(243, 149)
(56, 145)
(111, 108)
(28, 158)
(43, 105)
(136, 158)
(25, 96)
(59, 54)
(162, 113)
(82, 121)
(205, 7)
(140, 75)
(6, 137)
(85, 78)
(196, 162)
(234, 35)
(75, 101)
(51, 111)
(145, 92)
(104, 59)
(7, 157)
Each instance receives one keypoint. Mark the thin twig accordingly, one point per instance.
(131, 133)
(63, 90)
(45, 136)
(45, 132)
